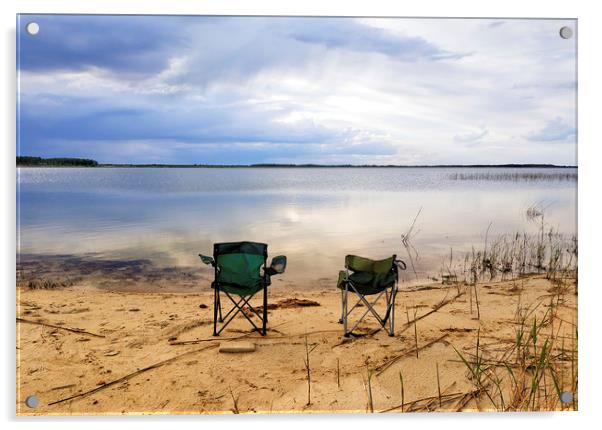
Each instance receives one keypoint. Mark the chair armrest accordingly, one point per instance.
(343, 277)
(207, 260)
(401, 264)
(277, 266)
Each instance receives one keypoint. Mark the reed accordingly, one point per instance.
(573, 364)
(370, 400)
(402, 391)
(476, 297)
(234, 402)
(568, 176)
(438, 384)
(531, 371)
(338, 375)
(406, 241)
(416, 332)
(477, 368)
(308, 370)
(511, 257)
(530, 375)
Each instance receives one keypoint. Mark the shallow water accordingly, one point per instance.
(315, 216)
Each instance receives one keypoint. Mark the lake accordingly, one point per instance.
(315, 216)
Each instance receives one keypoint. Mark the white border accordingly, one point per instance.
(589, 198)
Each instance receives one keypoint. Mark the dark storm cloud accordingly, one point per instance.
(117, 43)
(77, 119)
(144, 44)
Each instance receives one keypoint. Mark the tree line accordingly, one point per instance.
(61, 161)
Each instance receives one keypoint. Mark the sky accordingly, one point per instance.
(243, 90)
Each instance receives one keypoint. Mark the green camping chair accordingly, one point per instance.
(240, 271)
(369, 277)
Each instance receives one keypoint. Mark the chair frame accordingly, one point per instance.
(390, 295)
(241, 303)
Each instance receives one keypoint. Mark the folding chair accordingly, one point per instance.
(240, 273)
(367, 278)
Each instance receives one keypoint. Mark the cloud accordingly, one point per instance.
(471, 137)
(135, 44)
(494, 24)
(236, 46)
(556, 130)
(265, 89)
(77, 119)
(353, 36)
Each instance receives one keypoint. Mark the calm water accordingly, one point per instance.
(314, 216)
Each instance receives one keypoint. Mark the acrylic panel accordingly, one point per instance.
(235, 214)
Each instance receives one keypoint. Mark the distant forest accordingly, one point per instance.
(85, 162)
(55, 162)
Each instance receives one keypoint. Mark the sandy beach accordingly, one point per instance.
(88, 350)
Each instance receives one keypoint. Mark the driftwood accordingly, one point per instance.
(432, 401)
(432, 311)
(380, 369)
(72, 330)
(353, 336)
(467, 398)
(445, 398)
(131, 375)
(439, 400)
(413, 406)
(226, 339)
(62, 387)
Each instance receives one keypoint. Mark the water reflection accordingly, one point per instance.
(314, 216)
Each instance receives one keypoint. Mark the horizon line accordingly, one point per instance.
(33, 161)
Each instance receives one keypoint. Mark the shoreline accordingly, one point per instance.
(310, 166)
(141, 275)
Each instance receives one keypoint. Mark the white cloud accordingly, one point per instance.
(556, 130)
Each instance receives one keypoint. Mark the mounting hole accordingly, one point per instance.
(32, 28)
(32, 401)
(566, 32)
(566, 397)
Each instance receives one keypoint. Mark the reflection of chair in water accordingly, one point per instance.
(240, 270)
(369, 277)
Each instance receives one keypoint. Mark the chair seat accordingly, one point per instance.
(241, 290)
(367, 283)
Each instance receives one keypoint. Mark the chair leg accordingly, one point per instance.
(369, 309)
(342, 309)
(219, 306)
(265, 309)
(215, 311)
(239, 308)
(392, 315)
(345, 301)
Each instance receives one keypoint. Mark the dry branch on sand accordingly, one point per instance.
(58, 327)
(380, 369)
(289, 303)
(133, 374)
(436, 308)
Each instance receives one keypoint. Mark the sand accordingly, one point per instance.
(81, 338)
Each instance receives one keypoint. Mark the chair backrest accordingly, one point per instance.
(356, 263)
(240, 263)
